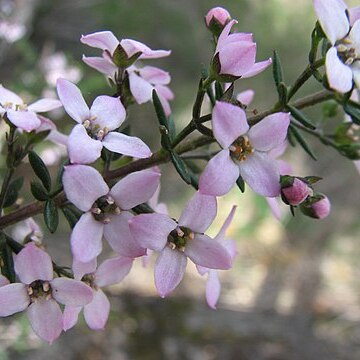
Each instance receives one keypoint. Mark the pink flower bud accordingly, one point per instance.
(318, 206)
(219, 15)
(296, 193)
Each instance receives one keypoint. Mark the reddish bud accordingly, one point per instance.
(317, 206)
(216, 19)
(295, 193)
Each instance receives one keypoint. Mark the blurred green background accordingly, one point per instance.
(294, 291)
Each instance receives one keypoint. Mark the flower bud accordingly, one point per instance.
(317, 206)
(294, 190)
(216, 19)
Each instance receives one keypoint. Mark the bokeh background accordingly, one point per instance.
(294, 290)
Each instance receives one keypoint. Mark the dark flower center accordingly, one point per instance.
(241, 148)
(347, 51)
(94, 130)
(38, 289)
(89, 279)
(179, 237)
(103, 207)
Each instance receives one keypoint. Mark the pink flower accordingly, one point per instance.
(39, 293)
(245, 152)
(343, 58)
(295, 191)
(237, 54)
(95, 126)
(106, 211)
(213, 286)
(176, 241)
(317, 206)
(217, 14)
(110, 272)
(24, 116)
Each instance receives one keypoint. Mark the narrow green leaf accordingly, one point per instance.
(277, 69)
(13, 191)
(241, 184)
(302, 142)
(219, 92)
(301, 117)
(353, 111)
(38, 191)
(172, 128)
(51, 215)
(160, 113)
(40, 169)
(180, 167)
(72, 215)
(283, 93)
(6, 260)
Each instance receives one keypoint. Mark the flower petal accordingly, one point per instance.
(132, 46)
(274, 206)
(72, 99)
(140, 88)
(83, 185)
(220, 236)
(213, 288)
(354, 14)
(152, 230)
(32, 263)
(126, 145)
(7, 96)
(44, 105)
(339, 75)
(118, 235)
(219, 175)
(97, 312)
(86, 238)
(246, 97)
(269, 132)
(3, 281)
(260, 172)
(154, 75)
(80, 269)
(70, 316)
(257, 68)
(112, 271)
(25, 120)
(204, 251)
(229, 122)
(46, 319)
(100, 64)
(71, 292)
(135, 188)
(332, 17)
(13, 298)
(81, 147)
(199, 213)
(109, 112)
(104, 40)
(169, 270)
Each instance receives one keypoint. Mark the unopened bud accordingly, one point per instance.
(317, 206)
(216, 19)
(296, 192)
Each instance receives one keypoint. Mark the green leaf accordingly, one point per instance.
(180, 167)
(241, 184)
(302, 141)
(72, 215)
(36, 137)
(13, 191)
(40, 169)
(51, 215)
(172, 128)
(219, 92)
(121, 58)
(6, 260)
(329, 109)
(277, 69)
(301, 117)
(283, 93)
(38, 191)
(354, 112)
(160, 113)
(312, 179)
(228, 94)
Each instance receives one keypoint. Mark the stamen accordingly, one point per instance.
(96, 211)
(179, 232)
(86, 124)
(110, 200)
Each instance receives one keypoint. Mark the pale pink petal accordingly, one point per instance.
(225, 35)
(81, 147)
(155, 75)
(86, 238)
(126, 145)
(13, 298)
(32, 263)
(246, 97)
(354, 14)
(354, 35)
(260, 172)
(219, 175)
(332, 18)
(104, 40)
(25, 120)
(220, 236)
(230, 246)
(109, 112)
(229, 122)
(112, 271)
(145, 260)
(274, 206)
(257, 68)
(269, 132)
(97, 312)
(164, 103)
(152, 230)
(71, 292)
(72, 99)
(3, 281)
(169, 270)
(213, 288)
(237, 58)
(279, 150)
(132, 46)
(45, 319)
(70, 316)
(80, 269)
(7, 96)
(153, 201)
(202, 270)
(199, 213)
(165, 92)
(356, 73)
(204, 251)
(45, 105)
(284, 167)
(118, 235)
(135, 188)
(101, 64)
(140, 88)
(83, 185)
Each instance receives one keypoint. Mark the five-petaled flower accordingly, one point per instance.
(39, 293)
